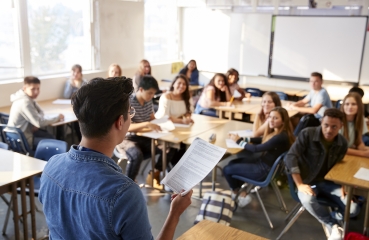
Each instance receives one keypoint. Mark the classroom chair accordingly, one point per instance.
(44, 151)
(4, 118)
(339, 103)
(255, 92)
(299, 209)
(16, 140)
(270, 179)
(282, 95)
(4, 146)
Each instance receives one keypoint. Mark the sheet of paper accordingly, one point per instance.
(236, 94)
(62, 101)
(232, 144)
(200, 158)
(164, 123)
(155, 135)
(363, 174)
(180, 125)
(243, 133)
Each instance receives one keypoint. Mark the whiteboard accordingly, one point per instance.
(249, 43)
(364, 76)
(330, 45)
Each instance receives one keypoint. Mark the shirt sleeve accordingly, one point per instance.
(36, 118)
(68, 90)
(272, 144)
(129, 215)
(298, 148)
(308, 96)
(164, 107)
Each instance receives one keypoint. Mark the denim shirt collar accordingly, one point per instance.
(91, 156)
(318, 131)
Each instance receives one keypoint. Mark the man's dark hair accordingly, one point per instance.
(100, 103)
(147, 82)
(357, 90)
(316, 74)
(334, 113)
(31, 80)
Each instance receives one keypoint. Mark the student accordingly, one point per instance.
(94, 199)
(233, 77)
(269, 101)
(134, 146)
(315, 152)
(75, 82)
(354, 125)
(144, 69)
(318, 98)
(114, 70)
(190, 71)
(366, 113)
(215, 94)
(27, 115)
(277, 139)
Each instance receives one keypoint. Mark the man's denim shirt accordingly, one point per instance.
(307, 154)
(86, 196)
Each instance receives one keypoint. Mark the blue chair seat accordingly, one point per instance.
(16, 140)
(256, 92)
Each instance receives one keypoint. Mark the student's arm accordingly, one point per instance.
(260, 131)
(273, 143)
(164, 107)
(360, 150)
(194, 78)
(302, 102)
(68, 90)
(177, 207)
(29, 112)
(242, 92)
(137, 127)
(312, 110)
(305, 188)
(211, 99)
(228, 94)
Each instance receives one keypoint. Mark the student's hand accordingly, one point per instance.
(233, 137)
(304, 188)
(154, 127)
(247, 95)
(227, 104)
(179, 203)
(61, 117)
(224, 88)
(187, 120)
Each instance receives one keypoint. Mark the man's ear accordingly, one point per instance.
(119, 122)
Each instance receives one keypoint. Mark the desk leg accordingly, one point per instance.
(15, 210)
(347, 210)
(164, 156)
(213, 178)
(153, 153)
(32, 205)
(220, 114)
(365, 233)
(24, 208)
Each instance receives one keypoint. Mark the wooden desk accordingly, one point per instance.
(17, 170)
(343, 173)
(207, 230)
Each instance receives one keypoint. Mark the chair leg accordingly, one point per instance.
(263, 207)
(9, 203)
(293, 212)
(279, 196)
(290, 223)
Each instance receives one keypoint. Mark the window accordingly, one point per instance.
(10, 57)
(59, 35)
(161, 31)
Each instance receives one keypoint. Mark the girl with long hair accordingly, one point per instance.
(191, 72)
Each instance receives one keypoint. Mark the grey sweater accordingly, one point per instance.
(26, 113)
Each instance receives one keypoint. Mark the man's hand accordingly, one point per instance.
(306, 189)
(154, 127)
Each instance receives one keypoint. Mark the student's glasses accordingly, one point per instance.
(132, 112)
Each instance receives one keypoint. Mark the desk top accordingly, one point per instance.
(344, 171)
(222, 134)
(207, 230)
(15, 166)
(288, 91)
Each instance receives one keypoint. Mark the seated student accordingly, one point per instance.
(366, 113)
(190, 71)
(233, 77)
(114, 70)
(75, 81)
(269, 101)
(143, 70)
(176, 104)
(318, 98)
(315, 151)
(354, 125)
(27, 115)
(94, 199)
(134, 146)
(277, 139)
(215, 94)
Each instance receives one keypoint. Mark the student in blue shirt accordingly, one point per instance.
(84, 193)
(318, 98)
(190, 71)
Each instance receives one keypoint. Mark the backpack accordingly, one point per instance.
(308, 120)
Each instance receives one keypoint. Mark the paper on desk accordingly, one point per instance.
(155, 135)
(62, 101)
(243, 133)
(164, 123)
(182, 125)
(363, 174)
(200, 158)
(232, 144)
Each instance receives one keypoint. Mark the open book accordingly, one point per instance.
(200, 158)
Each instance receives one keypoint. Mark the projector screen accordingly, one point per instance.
(332, 46)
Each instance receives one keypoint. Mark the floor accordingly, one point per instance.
(250, 218)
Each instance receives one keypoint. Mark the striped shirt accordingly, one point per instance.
(144, 112)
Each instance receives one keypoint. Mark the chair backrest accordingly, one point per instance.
(339, 103)
(47, 148)
(15, 138)
(4, 146)
(292, 187)
(256, 92)
(282, 95)
(308, 120)
(277, 166)
(4, 118)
